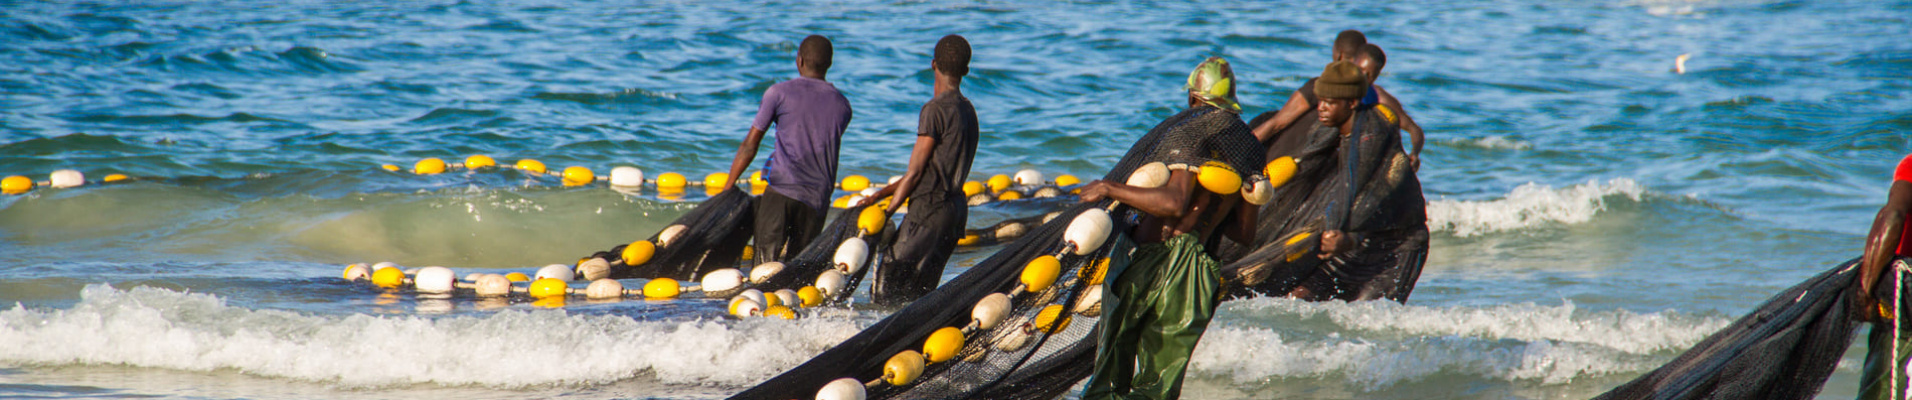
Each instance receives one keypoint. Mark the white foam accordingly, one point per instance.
(1528, 205)
(1376, 344)
(147, 327)
(1492, 142)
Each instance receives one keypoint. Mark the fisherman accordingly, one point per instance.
(1885, 369)
(946, 135)
(1371, 59)
(1279, 126)
(1279, 129)
(1159, 306)
(1369, 228)
(810, 115)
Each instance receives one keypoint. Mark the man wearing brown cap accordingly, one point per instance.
(1375, 215)
(1160, 301)
(1284, 130)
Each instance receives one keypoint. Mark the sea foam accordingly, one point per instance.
(1527, 206)
(1377, 344)
(1370, 344)
(1491, 142)
(158, 328)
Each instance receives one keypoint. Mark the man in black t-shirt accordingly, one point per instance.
(946, 134)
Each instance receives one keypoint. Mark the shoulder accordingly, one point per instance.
(1306, 91)
(785, 86)
(779, 90)
(948, 104)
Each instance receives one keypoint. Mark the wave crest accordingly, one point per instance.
(1378, 344)
(159, 328)
(1527, 206)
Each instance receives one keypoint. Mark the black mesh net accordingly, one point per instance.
(1785, 349)
(712, 236)
(1388, 218)
(1025, 356)
(1004, 231)
(819, 255)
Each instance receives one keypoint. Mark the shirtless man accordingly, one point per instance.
(1886, 243)
(1147, 337)
(1370, 59)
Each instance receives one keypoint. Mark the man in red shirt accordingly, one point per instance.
(1885, 372)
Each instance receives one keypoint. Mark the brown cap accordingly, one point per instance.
(1341, 80)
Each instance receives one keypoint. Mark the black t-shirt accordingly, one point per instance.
(1290, 141)
(951, 121)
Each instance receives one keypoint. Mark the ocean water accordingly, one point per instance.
(1595, 211)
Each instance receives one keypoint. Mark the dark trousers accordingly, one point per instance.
(913, 265)
(784, 226)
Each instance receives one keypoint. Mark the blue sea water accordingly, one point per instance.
(1595, 211)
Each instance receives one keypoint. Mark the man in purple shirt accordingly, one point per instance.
(810, 116)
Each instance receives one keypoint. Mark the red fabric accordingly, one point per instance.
(1905, 239)
(1904, 173)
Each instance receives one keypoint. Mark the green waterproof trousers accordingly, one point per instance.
(1153, 314)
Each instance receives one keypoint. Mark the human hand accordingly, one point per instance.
(1332, 243)
(1866, 305)
(1095, 191)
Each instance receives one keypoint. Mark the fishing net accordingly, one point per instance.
(1785, 349)
(821, 254)
(709, 237)
(1004, 231)
(1388, 216)
(1046, 341)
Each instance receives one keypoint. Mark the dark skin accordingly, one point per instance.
(1338, 113)
(919, 155)
(1373, 70)
(747, 151)
(1881, 246)
(1298, 104)
(1179, 207)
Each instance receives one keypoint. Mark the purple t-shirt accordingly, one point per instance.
(810, 115)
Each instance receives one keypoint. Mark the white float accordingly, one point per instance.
(851, 255)
(627, 176)
(555, 271)
(67, 178)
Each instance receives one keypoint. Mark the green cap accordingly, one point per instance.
(1214, 83)
(1341, 80)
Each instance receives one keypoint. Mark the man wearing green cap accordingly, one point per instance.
(1159, 305)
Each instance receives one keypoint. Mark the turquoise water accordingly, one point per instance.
(1594, 211)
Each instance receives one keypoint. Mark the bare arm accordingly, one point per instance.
(1416, 137)
(1243, 229)
(1882, 243)
(919, 157)
(746, 152)
(1296, 106)
(1169, 201)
